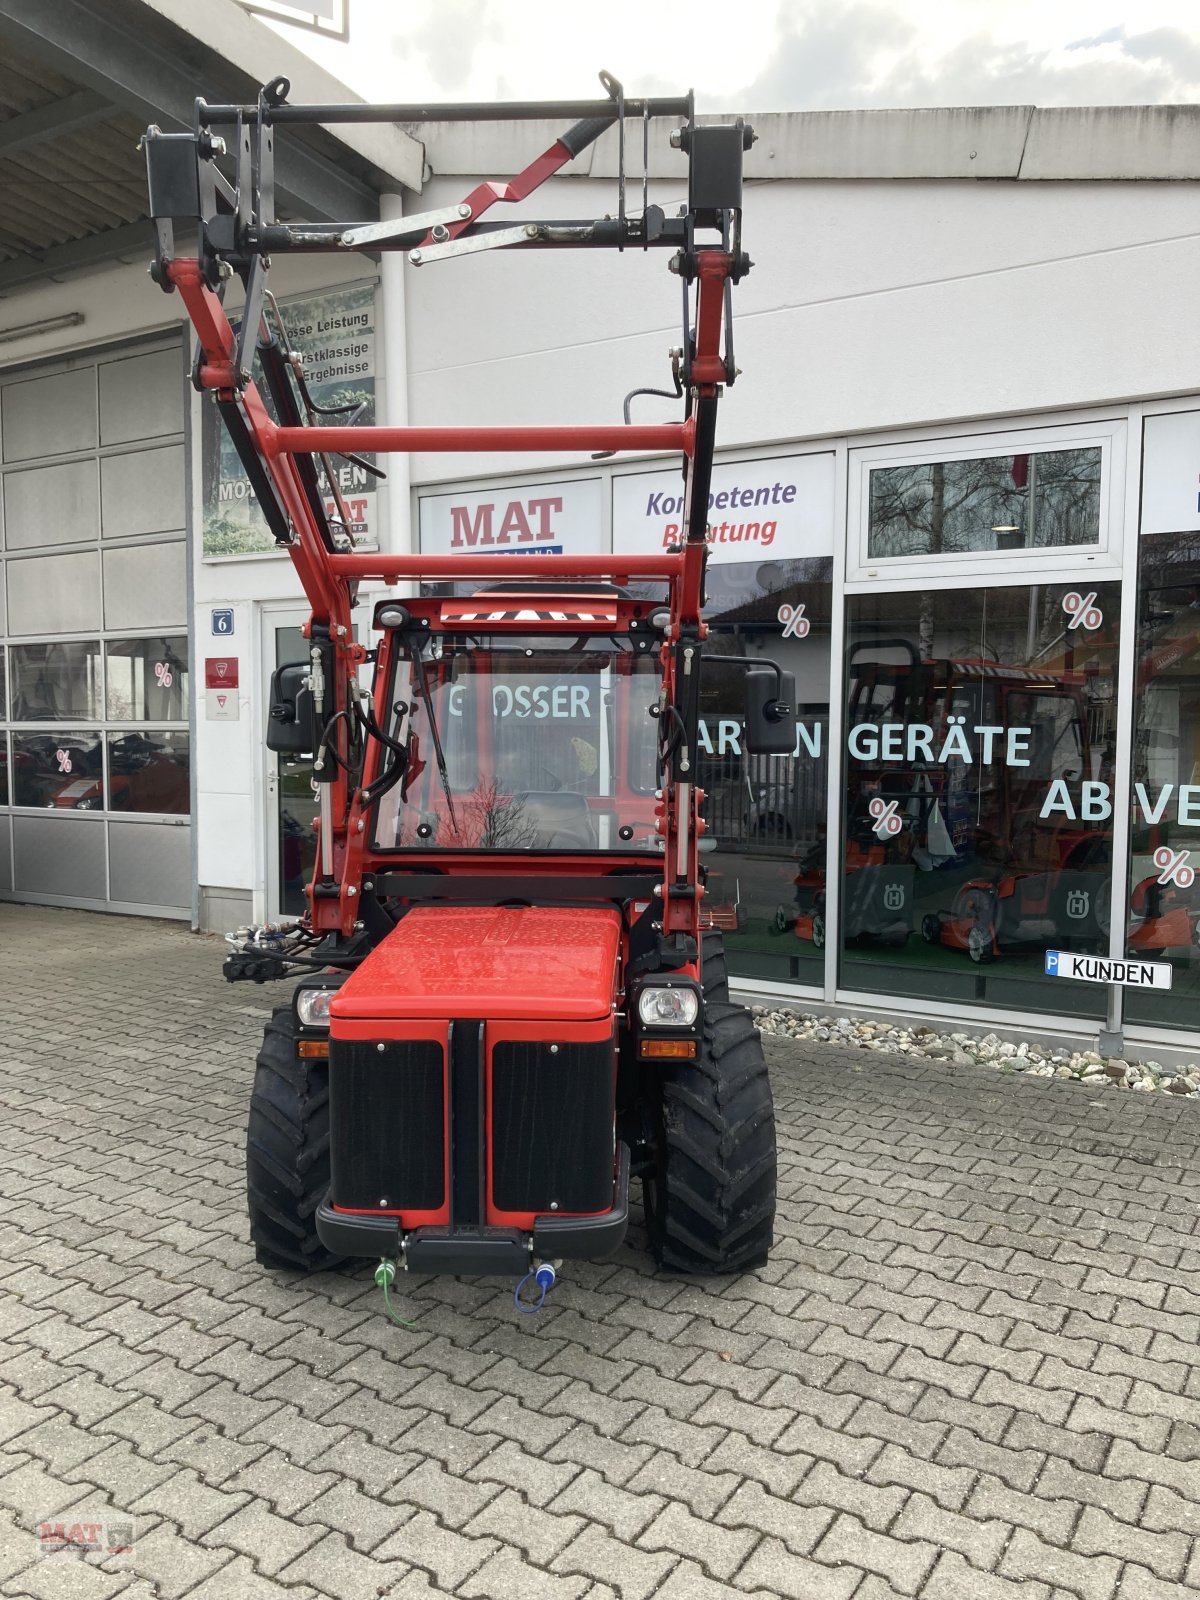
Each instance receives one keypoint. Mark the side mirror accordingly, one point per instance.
(291, 722)
(770, 712)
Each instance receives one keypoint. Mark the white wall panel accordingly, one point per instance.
(142, 396)
(150, 864)
(52, 505)
(49, 416)
(871, 305)
(61, 855)
(1171, 473)
(225, 839)
(145, 586)
(54, 594)
(142, 491)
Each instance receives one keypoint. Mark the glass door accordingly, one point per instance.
(1164, 886)
(977, 825)
(292, 804)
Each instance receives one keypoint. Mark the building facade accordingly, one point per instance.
(958, 494)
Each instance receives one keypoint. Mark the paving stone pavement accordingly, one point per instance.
(966, 1374)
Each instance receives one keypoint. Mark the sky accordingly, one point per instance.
(774, 55)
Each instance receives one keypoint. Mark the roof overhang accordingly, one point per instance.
(79, 83)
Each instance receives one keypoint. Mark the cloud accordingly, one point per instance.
(1178, 52)
(866, 56)
(774, 55)
(820, 58)
(447, 38)
(1113, 36)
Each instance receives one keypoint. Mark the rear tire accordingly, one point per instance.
(714, 973)
(287, 1151)
(710, 1195)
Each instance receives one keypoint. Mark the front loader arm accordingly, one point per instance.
(285, 453)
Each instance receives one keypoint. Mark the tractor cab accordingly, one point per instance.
(530, 722)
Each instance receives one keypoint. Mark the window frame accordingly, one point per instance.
(103, 726)
(934, 446)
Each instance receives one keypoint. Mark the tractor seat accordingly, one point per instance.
(557, 820)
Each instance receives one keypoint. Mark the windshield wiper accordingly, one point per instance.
(423, 691)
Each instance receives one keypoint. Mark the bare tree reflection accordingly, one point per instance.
(491, 817)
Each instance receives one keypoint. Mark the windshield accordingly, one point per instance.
(547, 745)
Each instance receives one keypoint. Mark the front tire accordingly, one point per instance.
(714, 971)
(287, 1151)
(710, 1194)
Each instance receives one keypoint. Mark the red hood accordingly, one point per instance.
(492, 962)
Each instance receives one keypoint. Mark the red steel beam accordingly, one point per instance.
(651, 436)
(485, 195)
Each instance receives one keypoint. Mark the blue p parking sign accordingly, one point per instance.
(1052, 963)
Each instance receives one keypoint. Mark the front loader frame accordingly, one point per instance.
(223, 189)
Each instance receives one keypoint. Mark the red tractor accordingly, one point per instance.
(511, 999)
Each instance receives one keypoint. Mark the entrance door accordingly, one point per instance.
(292, 805)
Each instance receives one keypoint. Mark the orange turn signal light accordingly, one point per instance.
(673, 1049)
(313, 1049)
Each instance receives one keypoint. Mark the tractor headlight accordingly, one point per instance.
(668, 1007)
(312, 1007)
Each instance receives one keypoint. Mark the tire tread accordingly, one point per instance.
(711, 1199)
(287, 1151)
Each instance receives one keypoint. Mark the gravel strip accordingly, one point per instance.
(958, 1049)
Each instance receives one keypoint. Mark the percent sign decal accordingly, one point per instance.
(886, 820)
(1082, 609)
(162, 674)
(1173, 867)
(795, 623)
(63, 757)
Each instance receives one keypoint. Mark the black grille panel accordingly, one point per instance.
(387, 1124)
(552, 1126)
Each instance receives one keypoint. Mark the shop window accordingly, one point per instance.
(3, 733)
(1164, 863)
(768, 586)
(1032, 500)
(149, 771)
(54, 682)
(147, 679)
(977, 826)
(766, 815)
(59, 771)
(64, 768)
